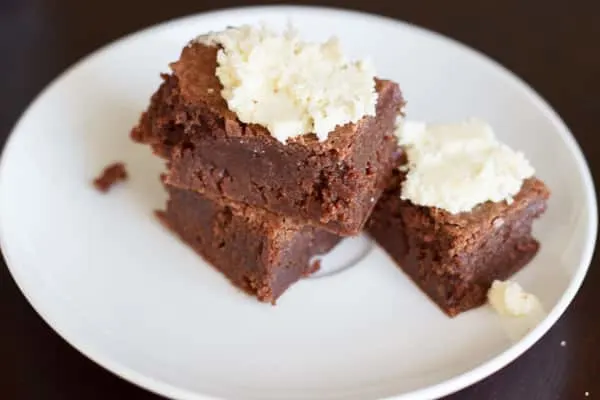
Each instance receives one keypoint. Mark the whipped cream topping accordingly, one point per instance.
(457, 166)
(290, 86)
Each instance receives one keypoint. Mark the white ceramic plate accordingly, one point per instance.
(106, 275)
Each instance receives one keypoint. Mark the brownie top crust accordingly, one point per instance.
(532, 190)
(459, 232)
(200, 88)
(198, 82)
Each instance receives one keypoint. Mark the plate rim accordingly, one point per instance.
(439, 389)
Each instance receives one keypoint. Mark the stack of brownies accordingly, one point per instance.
(276, 149)
(258, 201)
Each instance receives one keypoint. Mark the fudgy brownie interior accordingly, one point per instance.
(259, 252)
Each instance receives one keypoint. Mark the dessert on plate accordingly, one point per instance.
(458, 214)
(275, 149)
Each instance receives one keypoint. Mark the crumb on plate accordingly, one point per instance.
(314, 267)
(111, 175)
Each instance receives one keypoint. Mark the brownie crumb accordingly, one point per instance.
(162, 218)
(111, 175)
(314, 267)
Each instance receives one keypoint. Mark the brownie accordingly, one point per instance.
(332, 184)
(454, 258)
(260, 252)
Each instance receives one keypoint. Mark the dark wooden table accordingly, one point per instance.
(552, 44)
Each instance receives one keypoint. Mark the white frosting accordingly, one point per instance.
(458, 166)
(508, 298)
(289, 86)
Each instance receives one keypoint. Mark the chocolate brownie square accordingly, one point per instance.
(332, 183)
(259, 252)
(454, 258)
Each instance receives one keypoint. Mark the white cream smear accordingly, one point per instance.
(289, 86)
(457, 166)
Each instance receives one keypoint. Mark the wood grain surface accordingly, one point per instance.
(553, 45)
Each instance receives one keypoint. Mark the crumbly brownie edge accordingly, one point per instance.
(158, 125)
